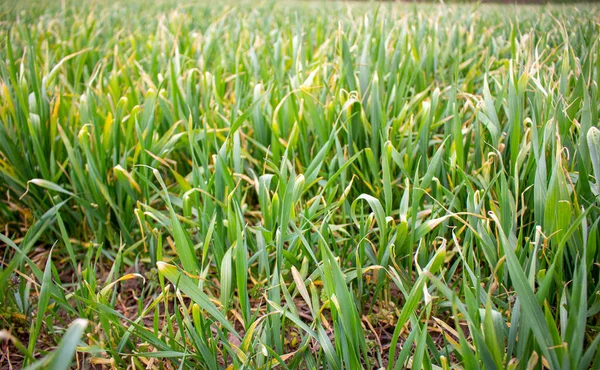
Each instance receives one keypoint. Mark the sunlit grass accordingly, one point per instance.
(299, 185)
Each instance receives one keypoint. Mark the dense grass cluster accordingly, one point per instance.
(299, 185)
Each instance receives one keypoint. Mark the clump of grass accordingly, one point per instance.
(299, 186)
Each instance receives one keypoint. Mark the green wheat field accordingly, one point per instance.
(299, 185)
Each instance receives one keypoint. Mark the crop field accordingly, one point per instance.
(299, 185)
